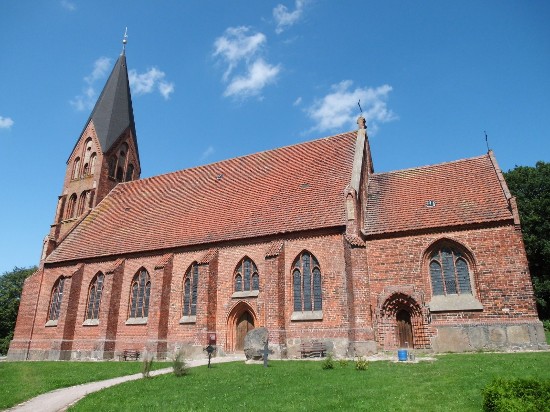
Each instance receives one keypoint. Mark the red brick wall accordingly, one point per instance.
(354, 289)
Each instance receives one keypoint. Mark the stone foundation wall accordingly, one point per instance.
(497, 336)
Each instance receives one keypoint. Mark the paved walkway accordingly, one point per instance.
(61, 399)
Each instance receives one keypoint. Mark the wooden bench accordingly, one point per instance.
(313, 349)
(130, 354)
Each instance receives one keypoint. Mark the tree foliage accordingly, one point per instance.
(11, 285)
(531, 187)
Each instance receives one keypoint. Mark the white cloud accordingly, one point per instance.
(297, 102)
(209, 151)
(69, 5)
(101, 67)
(151, 80)
(235, 45)
(246, 73)
(339, 108)
(285, 18)
(6, 122)
(166, 89)
(86, 100)
(258, 76)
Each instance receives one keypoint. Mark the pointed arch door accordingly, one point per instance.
(404, 329)
(244, 324)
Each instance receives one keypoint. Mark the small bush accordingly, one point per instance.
(179, 365)
(343, 363)
(546, 325)
(361, 364)
(503, 395)
(328, 363)
(147, 366)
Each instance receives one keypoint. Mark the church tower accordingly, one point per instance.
(105, 154)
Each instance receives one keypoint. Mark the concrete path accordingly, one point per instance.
(61, 399)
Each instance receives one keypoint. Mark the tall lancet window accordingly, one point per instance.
(55, 299)
(94, 296)
(140, 291)
(190, 290)
(306, 284)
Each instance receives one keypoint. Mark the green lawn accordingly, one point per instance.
(452, 383)
(20, 381)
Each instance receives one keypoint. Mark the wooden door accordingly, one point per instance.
(245, 323)
(404, 329)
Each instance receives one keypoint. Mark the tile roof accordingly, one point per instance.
(465, 191)
(294, 188)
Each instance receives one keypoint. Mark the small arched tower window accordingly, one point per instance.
(246, 276)
(55, 299)
(190, 290)
(81, 203)
(76, 168)
(94, 296)
(306, 283)
(71, 207)
(112, 166)
(129, 172)
(92, 163)
(121, 162)
(140, 291)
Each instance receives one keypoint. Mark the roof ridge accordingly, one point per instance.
(432, 165)
(250, 155)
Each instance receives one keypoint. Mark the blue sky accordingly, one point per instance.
(213, 80)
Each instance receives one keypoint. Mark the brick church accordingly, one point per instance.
(305, 240)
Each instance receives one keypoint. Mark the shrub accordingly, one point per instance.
(361, 364)
(179, 365)
(546, 324)
(343, 363)
(328, 363)
(146, 366)
(502, 395)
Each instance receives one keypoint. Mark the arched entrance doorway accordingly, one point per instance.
(245, 323)
(404, 329)
(240, 321)
(401, 321)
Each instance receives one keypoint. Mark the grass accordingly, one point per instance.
(20, 381)
(452, 383)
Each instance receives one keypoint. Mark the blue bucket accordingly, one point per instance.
(402, 355)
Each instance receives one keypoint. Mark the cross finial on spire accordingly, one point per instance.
(124, 41)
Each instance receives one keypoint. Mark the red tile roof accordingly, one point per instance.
(465, 191)
(290, 189)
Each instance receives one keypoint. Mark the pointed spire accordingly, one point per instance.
(113, 112)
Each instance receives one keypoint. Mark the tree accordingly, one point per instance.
(531, 187)
(11, 285)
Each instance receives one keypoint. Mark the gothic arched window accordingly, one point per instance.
(76, 168)
(112, 166)
(94, 296)
(71, 207)
(449, 272)
(140, 291)
(92, 163)
(129, 172)
(55, 299)
(190, 290)
(306, 283)
(246, 276)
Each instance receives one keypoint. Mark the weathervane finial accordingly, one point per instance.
(124, 41)
(359, 104)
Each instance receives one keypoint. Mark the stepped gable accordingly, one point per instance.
(294, 188)
(464, 191)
